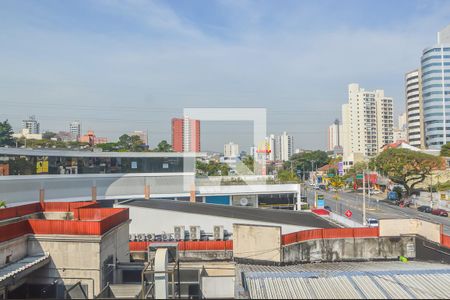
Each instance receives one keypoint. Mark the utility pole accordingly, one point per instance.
(364, 198)
(431, 192)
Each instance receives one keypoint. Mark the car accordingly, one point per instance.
(372, 222)
(327, 208)
(424, 208)
(440, 212)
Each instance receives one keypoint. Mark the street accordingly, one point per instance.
(374, 209)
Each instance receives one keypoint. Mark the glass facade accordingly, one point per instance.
(36, 165)
(436, 96)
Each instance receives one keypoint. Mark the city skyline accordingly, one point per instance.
(124, 66)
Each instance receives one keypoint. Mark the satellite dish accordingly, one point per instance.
(244, 201)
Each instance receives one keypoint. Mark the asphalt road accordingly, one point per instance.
(374, 209)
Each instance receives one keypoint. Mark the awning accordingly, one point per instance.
(23, 267)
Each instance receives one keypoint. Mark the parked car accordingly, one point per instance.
(372, 222)
(393, 196)
(424, 208)
(440, 212)
(327, 208)
(375, 192)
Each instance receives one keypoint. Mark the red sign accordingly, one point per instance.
(348, 213)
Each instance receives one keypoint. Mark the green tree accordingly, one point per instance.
(358, 168)
(445, 150)
(6, 133)
(2, 204)
(287, 176)
(163, 146)
(212, 168)
(406, 167)
(108, 147)
(249, 162)
(306, 161)
(130, 143)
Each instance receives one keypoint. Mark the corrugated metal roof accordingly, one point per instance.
(385, 280)
(19, 266)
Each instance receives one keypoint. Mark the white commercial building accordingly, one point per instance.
(25, 134)
(334, 135)
(32, 125)
(367, 123)
(414, 109)
(231, 150)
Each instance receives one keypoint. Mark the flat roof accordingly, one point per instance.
(298, 218)
(78, 153)
(355, 280)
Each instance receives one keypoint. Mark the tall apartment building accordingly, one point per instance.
(334, 135)
(32, 125)
(284, 147)
(231, 150)
(75, 130)
(414, 109)
(367, 123)
(435, 69)
(185, 135)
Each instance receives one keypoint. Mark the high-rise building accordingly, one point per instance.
(284, 147)
(185, 135)
(75, 130)
(32, 125)
(414, 109)
(367, 124)
(435, 69)
(231, 150)
(334, 135)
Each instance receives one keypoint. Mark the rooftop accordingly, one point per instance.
(298, 218)
(356, 280)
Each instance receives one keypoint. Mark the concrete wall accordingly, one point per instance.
(217, 287)
(350, 249)
(257, 243)
(79, 258)
(397, 227)
(15, 249)
(149, 220)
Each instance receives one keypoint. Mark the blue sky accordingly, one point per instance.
(124, 65)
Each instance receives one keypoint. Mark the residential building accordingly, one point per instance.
(185, 135)
(284, 147)
(141, 134)
(414, 109)
(271, 146)
(75, 130)
(334, 135)
(367, 124)
(231, 150)
(92, 139)
(32, 125)
(400, 132)
(435, 69)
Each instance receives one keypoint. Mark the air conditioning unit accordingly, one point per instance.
(141, 237)
(194, 233)
(218, 233)
(179, 233)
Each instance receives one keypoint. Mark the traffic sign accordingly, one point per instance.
(348, 213)
(359, 176)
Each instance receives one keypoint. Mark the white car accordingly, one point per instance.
(372, 222)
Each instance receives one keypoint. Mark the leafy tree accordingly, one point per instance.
(306, 160)
(2, 204)
(6, 133)
(287, 176)
(406, 167)
(249, 162)
(108, 147)
(130, 143)
(358, 168)
(163, 146)
(445, 150)
(212, 168)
